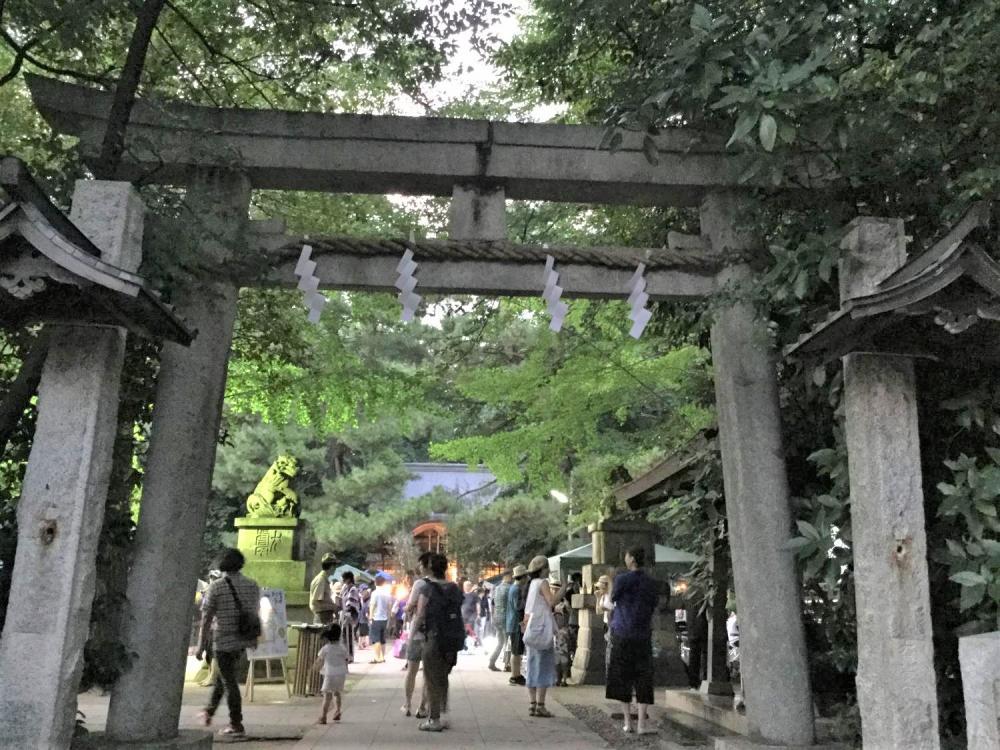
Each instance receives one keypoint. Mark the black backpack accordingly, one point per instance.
(443, 617)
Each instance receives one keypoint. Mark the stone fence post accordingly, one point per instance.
(65, 487)
(897, 691)
(980, 659)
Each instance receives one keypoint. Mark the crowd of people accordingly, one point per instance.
(524, 620)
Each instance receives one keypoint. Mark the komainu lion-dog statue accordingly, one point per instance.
(274, 496)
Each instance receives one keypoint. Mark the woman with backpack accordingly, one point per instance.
(439, 617)
(539, 636)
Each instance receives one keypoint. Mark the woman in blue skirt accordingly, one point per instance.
(538, 618)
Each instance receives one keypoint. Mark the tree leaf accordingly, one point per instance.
(768, 131)
(808, 530)
(701, 19)
(967, 578)
(990, 546)
(796, 543)
(971, 596)
(744, 124)
(955, 548)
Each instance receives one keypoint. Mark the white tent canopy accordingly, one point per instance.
(664, 555)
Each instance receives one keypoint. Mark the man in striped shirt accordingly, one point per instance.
(224, 599)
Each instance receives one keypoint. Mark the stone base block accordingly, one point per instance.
(187, 739)
(741, 743)
(714, 709)
(288, 575)
(716, 688)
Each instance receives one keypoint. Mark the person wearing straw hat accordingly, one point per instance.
(539, 636)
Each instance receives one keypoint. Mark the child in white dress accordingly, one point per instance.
(331, 661)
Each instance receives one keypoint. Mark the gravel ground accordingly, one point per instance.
(610, 730)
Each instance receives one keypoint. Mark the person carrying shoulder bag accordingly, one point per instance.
(539, 636)
(231, 614)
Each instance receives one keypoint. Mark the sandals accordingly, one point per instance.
(542, 712)
(421, 714)
(405, 710)
(533, 709)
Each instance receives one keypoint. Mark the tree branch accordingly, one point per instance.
(113, 145)
(245, 70)
(187, 68)
(18, 396)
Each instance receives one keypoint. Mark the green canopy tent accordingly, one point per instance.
(671, 560)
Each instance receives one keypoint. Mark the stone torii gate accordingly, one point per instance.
(221, 155)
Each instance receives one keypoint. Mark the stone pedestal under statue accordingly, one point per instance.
(269, 544)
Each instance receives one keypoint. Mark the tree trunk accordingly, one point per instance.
(113, 145)
(18, 398)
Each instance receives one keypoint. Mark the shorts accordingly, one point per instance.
(630, 670)
(517, 641)
(333, 683)
(414, 650)
(363, 630)
(378, 631)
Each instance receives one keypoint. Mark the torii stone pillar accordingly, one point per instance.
(146, 701)
(897, 691)
(61, 507)
(768, 592)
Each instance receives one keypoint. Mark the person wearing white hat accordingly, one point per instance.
(539, 636)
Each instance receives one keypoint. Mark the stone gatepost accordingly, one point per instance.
(591, 649)
(61, 507)
(980, 658)
(896, 682)
(610, 540)
(717, 680)
(146, 701)
(768, 592)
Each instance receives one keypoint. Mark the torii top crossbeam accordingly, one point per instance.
(167, 141)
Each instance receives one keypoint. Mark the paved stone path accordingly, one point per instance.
(485, 712)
